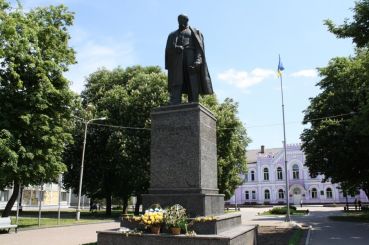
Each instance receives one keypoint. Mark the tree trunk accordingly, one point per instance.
(13, 198)
(138, 204)
(125, 205)
(108, 205)
(21, 199)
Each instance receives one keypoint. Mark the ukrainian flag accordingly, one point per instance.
(280, 67)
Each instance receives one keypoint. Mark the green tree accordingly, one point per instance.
(117, 159)
(336, 143)
(232, 141)
(358, 29)
(35, 97)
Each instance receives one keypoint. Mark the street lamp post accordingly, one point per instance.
(82, 163)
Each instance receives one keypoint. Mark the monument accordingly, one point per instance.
(183, 166)
(186, 63)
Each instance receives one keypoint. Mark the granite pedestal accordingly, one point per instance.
(183, 166)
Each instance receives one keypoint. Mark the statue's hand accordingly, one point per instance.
(179, 49)
(197, 64)
(195, 67)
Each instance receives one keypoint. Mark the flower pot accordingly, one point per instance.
(175, 230)
(155, 230)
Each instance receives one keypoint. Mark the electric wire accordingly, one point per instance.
(246, 126)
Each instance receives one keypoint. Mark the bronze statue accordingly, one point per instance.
(186, 64)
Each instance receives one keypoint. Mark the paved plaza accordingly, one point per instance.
(68, 235)
(324, 231)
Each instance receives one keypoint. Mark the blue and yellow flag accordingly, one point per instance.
(280, 67)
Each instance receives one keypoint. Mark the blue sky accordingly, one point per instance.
(242, 39)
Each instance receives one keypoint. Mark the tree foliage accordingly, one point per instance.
(117, 159)
(34, 95)
(358, 28)
(337, 142)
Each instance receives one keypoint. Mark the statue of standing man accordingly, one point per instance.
(186, 64)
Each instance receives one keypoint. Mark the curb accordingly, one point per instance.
(307, 241)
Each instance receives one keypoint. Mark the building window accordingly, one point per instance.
(63, 197)
(314, 193)
(295, 171)
(247, 197)
(4, 196)
(280, 194)
(267, 194)
(279, 173)
(252, 175)
(329, 193)
(246, 179)
(253, 195)
(266, 174)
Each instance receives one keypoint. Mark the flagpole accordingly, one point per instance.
(288, 218)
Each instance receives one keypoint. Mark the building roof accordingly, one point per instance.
(252, 155)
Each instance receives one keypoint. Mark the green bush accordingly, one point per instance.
(282, 210)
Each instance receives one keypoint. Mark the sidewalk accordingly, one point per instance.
(69, 235)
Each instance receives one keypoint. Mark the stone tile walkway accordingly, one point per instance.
(68, 235)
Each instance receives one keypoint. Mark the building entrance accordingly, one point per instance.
(297, 195)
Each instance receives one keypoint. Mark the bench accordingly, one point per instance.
(5, 224)
(353, 208)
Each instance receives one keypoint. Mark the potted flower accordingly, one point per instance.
(175, 219)
(152, 219)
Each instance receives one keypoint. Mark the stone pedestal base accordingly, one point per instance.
(196, 204)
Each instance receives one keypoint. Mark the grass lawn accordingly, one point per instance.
(296, 237)
(227, 211)
(352, 217)
(294, 212)
(29, 219)
(26, 222)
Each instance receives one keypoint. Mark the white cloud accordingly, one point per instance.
(93, 54)
(311, 73)
(244, 79)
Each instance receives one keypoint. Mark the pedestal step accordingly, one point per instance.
(239, 235)
(222, 223)
(196, 204)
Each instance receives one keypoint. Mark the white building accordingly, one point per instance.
(50, 197)
(265, 180)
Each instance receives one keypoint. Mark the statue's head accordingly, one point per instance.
(182, 20)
